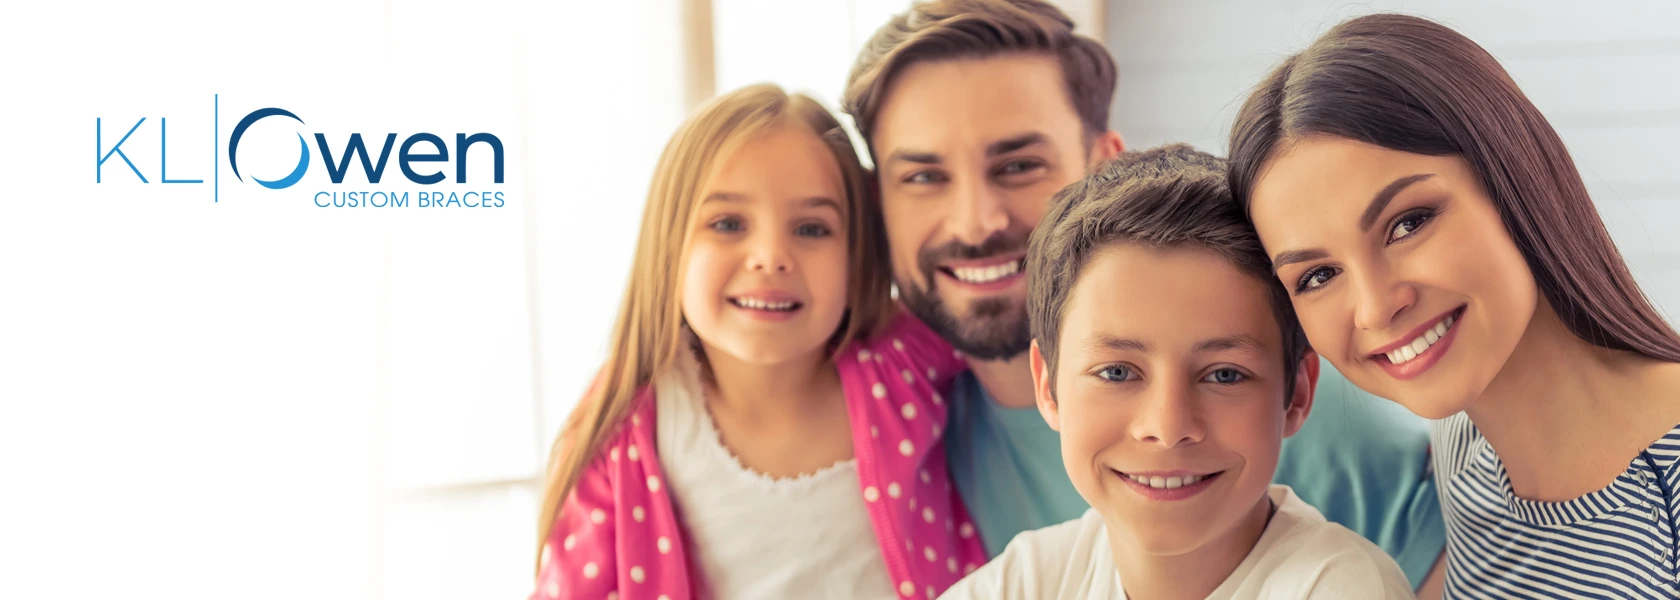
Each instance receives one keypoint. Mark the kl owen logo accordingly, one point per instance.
(412, 159)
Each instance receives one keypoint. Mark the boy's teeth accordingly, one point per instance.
(1167, 483)
(1410, 351)
(987, 274)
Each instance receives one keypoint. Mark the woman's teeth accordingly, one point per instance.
(756, 304)
(1410, 351)
(1167, 483)
(986, 274)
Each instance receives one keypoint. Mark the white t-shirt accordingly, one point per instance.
(756, 536)
(1299, 556)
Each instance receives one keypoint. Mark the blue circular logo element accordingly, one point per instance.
(303, 149)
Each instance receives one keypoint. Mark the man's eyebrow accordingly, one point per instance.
(913, 156)
(1007, 145)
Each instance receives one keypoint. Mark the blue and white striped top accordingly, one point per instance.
(1618, 542)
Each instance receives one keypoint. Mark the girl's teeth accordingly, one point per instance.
(757, 304)
(1410, 351)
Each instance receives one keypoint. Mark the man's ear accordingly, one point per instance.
(1108, 145)
(1301, 400)
(1041, 389)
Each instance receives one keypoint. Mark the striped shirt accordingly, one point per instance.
(1618, 542)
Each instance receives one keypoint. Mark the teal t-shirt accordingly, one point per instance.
(1361, 460)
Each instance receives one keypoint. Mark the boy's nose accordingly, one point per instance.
(1167, 417)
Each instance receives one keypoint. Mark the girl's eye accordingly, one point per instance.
(1225, 376)
(1314, 279)
(1117, 373)
(812, 230)
(1408, 223)
(727, 225)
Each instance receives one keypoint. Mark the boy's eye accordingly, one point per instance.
(1314, 279)
(1117, 373)
(1408, 223)
(727, 225)
(1226, 376)
(812, 230)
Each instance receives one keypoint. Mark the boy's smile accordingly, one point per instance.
(1170, 396)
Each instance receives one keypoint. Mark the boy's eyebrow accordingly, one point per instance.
(1232, 342)
(1109, 342)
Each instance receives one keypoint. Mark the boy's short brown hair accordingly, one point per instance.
(1169, 197)
(959, 29)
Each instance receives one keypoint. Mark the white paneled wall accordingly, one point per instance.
(1607, 76)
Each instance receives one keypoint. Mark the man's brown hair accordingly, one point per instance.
(969, 29)
(1163, 198)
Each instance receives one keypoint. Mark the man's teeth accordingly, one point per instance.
(1410, 351)
(757, 304)
(986, 274)
(1167, 483)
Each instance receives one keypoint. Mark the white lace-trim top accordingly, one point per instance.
(757, 536)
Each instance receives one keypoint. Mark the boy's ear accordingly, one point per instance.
(1300, 402)
(1108, 145)
(1041, 389)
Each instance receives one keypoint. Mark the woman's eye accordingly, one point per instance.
(924, 177)
(1225, 376)
(1315, 279)
(1116, 373)
(727, 225)
(1408, 223)
(812, 230)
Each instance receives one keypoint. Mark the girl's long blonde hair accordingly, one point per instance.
(648, 333)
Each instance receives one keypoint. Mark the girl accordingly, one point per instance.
(766, 425)
(1442, 252)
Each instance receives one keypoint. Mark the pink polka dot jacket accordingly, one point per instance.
(618, 534)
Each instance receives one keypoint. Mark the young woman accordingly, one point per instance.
(1441, 251)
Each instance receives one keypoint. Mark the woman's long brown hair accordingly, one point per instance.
(1413, 85)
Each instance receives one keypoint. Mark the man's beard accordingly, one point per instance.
(996, 328)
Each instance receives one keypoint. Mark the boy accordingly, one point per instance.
(1167, 355)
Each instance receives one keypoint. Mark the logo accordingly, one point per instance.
(239, 131)
(412, 158)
